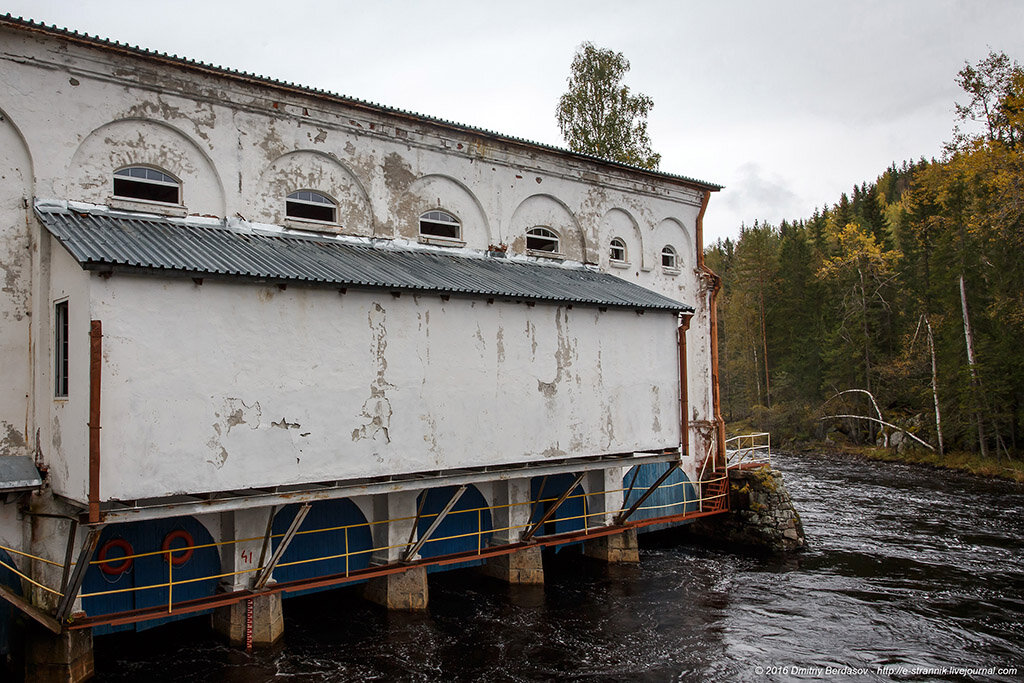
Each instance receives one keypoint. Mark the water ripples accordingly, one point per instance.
(906, 566)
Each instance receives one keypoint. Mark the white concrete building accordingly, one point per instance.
(234, 308)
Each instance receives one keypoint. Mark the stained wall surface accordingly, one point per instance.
(183, 361)
(225, 386)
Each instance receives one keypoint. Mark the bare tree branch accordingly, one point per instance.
(883, 422)
(858, 391)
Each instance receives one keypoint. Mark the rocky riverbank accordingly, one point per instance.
(761, 514)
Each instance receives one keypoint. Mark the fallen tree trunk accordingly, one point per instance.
(882, 422)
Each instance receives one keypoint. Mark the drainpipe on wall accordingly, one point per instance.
(95, 366)
(684, 404)
(716, 283)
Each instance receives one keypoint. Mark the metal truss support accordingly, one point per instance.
(69, 553)
(265, 572)
(411, 553)
(528, 534)
(74, 583)
(267, 536)
(625, 514)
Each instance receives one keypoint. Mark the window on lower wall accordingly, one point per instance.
(149, 184)
(60, 349)
(542, 239)
(309, 205)
(440, 224)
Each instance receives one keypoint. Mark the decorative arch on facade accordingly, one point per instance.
(16, 294)
(621, 223)
(431, 192)
(16, 166)
(544, 210)
(144, 142)
(313, 170)
(672, 232)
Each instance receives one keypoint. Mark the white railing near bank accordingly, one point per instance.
(753, 448)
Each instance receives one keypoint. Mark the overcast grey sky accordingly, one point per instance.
(786, 103)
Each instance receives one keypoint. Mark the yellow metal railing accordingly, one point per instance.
(587, 519)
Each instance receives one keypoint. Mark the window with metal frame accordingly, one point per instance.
(668, 257)
(440, 224)
(60, 349)
(310, 205)
(617, 250)
(542, 239)
(149, 184)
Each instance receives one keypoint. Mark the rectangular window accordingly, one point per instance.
(60, 349)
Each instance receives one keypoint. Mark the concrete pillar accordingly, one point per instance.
(66, 658)
(511, 513)
(406, 590)
(521, 567)
(510, 518)
(603, 507)
(267, 620)
(614, 549)
(239, 557)
(267, 613)
(392, 537)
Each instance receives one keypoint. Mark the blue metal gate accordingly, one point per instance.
(675, 496)
(570, 514)
(331, 529)
(11, 581)
(468, 521)
(119, 540)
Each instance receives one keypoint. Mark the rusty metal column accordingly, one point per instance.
(684, 386)
(95, 368)
(716, 285)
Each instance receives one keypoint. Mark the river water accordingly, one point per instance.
(908, 568)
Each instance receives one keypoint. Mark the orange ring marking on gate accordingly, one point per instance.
(178, 560)
(113, 568)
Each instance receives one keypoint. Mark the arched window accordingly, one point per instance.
(149, 184)
(617, 251)
(440, 224)
(542, 239)
(668, 257)
(311, 206)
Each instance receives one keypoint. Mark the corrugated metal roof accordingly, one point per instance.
(108, 44)
(142, 243)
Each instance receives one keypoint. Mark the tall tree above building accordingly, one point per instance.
(598, 115)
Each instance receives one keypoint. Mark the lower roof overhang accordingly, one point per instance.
(111, 242)
(18, 474)
(225, 501)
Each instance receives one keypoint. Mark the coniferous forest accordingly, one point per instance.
(901, 305)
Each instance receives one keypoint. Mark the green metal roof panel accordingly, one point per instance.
(101, 240)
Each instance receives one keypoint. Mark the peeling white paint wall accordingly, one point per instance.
(15, 290)
(214, 386)
(226, 386)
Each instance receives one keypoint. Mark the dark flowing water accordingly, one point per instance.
(909, 568)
